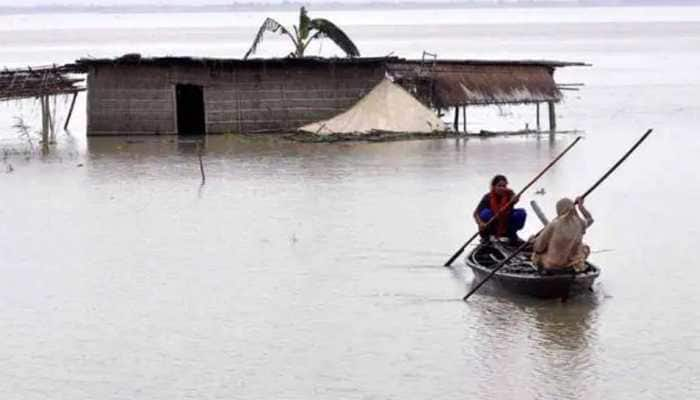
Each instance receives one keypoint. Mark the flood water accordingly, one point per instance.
(303, 271)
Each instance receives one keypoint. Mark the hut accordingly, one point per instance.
(184, 95)
(457, 84)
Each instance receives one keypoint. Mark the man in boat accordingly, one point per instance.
(559, 247)
(509, 222)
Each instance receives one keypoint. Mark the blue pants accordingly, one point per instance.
(516, 221)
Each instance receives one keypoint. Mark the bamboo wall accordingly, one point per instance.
(140, 99)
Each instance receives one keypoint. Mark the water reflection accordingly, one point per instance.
(119, 146)
(191, 144)
(563, 334)
(534, 349)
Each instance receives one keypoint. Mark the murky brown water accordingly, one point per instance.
(314, 271)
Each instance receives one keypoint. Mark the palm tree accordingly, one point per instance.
(304, 34)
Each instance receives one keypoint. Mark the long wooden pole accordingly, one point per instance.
(522, 247)
(617, 164)
(512, 201)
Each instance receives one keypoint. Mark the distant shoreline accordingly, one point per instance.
(292, 6)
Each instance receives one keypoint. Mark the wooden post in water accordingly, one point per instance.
(201, 164)
(457, 119)
(464, 122)
(538, 116)
(52, 117)
(44, 124)
(552, 118)
(44, 119)
(70, 111)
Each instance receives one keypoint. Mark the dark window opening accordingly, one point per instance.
(190, 110)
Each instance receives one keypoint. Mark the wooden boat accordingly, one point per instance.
(522, 277)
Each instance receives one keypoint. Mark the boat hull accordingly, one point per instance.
(522, 277)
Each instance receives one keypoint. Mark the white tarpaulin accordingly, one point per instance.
(387, 107)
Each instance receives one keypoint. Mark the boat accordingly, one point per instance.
(521, 276)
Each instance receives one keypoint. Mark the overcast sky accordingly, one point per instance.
(15, 3)
(29, 3)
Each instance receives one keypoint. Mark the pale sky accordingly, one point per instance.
(15, 3)
(30, 3)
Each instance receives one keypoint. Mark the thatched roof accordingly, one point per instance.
(83, 64)
(494, 85)
(35, 82)
(475, 82)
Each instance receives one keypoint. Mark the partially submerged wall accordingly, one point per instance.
(240, 97)
(284, 97)
(130, 100)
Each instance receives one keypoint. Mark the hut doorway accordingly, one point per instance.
(190, 110)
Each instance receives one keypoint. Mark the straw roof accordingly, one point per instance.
(83, 64)
(35, 82)
(456, 83)
(494, 85)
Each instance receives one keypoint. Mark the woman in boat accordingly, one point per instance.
(559, 247)
(509, 222)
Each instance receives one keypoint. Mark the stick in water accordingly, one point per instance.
(511, 202)
(522, 247)
(201, 164)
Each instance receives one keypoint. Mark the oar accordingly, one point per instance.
(511, 202)
(522, 247)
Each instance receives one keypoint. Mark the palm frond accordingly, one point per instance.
(304, 24)
(270, 25)
(328, 29)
